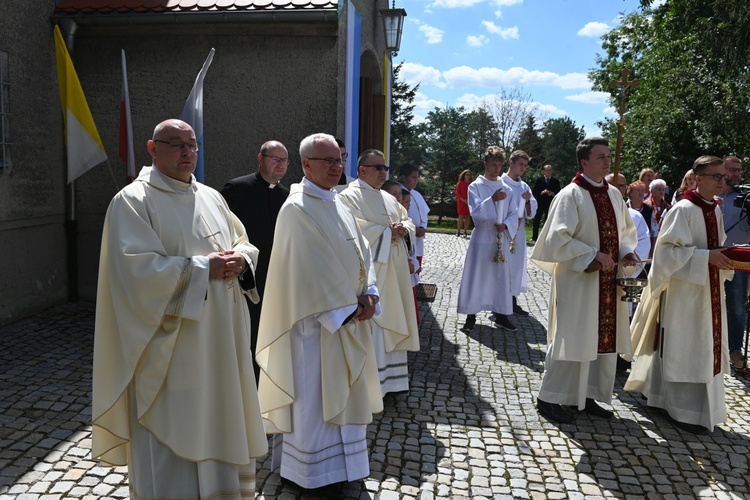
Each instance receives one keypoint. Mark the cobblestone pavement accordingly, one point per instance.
(466, 429)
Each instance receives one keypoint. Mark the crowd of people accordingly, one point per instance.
(224, 317)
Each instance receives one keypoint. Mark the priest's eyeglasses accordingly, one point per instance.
(715, 177)
(330, 161)
(176, 146)
(277, 159)
(379, 168)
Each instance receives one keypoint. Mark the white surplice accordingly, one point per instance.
(680, 378)
(566, 246)
(319, 381)
(394, 331)
(173, 388)
(517, 259)
(485, 285)
(418, 212)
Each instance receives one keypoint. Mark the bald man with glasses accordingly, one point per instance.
(256, 200)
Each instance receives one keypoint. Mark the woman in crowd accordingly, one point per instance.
(462, 195)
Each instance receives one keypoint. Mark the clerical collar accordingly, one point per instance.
(175, 184)
(325, 194)
(362, 184)
(698, 200)
(591, 181)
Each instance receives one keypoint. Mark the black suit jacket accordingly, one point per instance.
(540, 185)
(257, 206)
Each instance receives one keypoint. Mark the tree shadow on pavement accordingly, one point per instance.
(641, 453)
(520, 347)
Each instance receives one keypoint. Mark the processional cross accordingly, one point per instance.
(623, 83)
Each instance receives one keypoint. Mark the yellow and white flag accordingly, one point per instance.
(82, 141)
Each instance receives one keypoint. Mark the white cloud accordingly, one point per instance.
(476, 41)
(423, 105)
(504, 33)
(593, 29)
(433, 34)
(452, 4)
(473, 101)
(464, 76)
(414, 73)
(610, 110)
(590, 97)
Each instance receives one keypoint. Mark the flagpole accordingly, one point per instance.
(68, 28)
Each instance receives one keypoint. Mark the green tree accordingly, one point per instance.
(691, 57)
(406, 141)
(530, 141)
(484, 133)
(510, 108)
(560, 136)
(449, 151)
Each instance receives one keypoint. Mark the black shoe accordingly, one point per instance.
(592, 408)
(503, 322)
(691, 428)
(519, 311)
(471, 320)
(554, 412)
(622, 364)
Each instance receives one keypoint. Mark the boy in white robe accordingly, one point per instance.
(679, 328)
(319, 381)
(173, 389)
(527, 206)
(588, 230)
(485, 283)
(387, 227)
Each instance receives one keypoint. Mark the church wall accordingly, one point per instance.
(32, 193)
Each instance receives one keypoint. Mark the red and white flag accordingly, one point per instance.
(126, 126)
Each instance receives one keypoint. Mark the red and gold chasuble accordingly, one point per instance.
(609, 243)
(712, 237)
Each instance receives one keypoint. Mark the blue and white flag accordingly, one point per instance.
(192, 113)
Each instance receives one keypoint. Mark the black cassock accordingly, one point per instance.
(257, 205)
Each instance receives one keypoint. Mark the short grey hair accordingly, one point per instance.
(307, 146)
(657, 182)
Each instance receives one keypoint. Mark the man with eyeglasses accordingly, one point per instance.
(256, 199)
(344, 179)
(319, 381)
(679, 327)
(172, 355)
(738, 233)
(387, 227)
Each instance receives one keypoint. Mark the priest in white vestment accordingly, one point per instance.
(389, 231)
(418, 209)
(174, 393)
(587, 232)
(527, 206)
(679, 329)
(486, 279)
(319, 381)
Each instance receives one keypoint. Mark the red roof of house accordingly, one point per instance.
(172, 6)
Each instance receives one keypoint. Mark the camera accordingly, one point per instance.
(743, 197)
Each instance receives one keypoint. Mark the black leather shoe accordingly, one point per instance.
(691, 428)
(503, 322)
(592, 408)
(519, 310)
(471, 320)
(622, 365)
(554, 412)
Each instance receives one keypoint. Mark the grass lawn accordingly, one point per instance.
(448, 226)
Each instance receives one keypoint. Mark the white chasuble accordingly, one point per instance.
(320, 263)
(167, 338)
(485, 285)
(566, 246)
(680, 362)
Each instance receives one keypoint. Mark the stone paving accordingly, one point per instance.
(466, 429)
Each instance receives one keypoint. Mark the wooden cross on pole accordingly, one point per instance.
(623, 83)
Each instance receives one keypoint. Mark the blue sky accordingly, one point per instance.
(464, 51)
